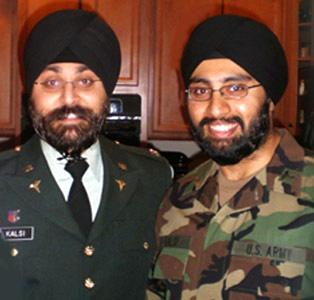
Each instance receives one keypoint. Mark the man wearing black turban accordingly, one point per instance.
(77, 210)
(239, 226)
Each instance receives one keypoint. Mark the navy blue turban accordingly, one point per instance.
(73, 36)
(248, 43)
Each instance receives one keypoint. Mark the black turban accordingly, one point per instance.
(78, 36)
(248, 43)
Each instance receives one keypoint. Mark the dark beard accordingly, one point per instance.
(240, 147)
(58, 136)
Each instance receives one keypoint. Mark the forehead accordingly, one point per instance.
(220, 69)
(66, 68)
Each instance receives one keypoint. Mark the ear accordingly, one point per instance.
(271, 105)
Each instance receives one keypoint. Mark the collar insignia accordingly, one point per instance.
(153, 152)
(28, 168)
(35, 185)
(121, 184)
(122, 166)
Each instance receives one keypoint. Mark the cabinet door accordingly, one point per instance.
(9, 97)
(281, 17)
(31, 11)
(131, 21)
(123, 16)
(174, 21)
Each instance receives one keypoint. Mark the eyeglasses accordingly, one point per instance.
(231, 91)
(56, 85)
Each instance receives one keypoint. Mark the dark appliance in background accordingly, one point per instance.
(123, 122)
(179, 162)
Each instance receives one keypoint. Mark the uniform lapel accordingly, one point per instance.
(120, 184)
(35, 186)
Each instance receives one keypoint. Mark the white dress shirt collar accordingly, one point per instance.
(93, 178)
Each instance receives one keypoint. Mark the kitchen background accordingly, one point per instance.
(152, 34)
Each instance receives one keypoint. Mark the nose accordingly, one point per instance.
(69, 94)
(218, 107)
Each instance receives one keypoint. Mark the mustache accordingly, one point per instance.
(62, 112)
(208, 121)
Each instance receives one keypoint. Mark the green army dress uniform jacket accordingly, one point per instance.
(55, 259)
(9, 276)
(259, 245)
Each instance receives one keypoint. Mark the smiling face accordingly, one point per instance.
(68, 107)
(228, 129)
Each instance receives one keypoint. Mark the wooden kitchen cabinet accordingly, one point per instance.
(34, 10)
(9, 96)
(124, 17)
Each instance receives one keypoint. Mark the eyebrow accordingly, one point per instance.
(238, 77)
(58, 69)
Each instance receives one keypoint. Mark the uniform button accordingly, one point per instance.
(146, 245)
(14, 252)
(89, 250)
(89, 283)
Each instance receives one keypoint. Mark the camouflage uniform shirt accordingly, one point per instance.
(259, 245)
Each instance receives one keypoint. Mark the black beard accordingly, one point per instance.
(85, 133)
(240, 147)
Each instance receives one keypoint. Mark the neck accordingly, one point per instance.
(251, 164)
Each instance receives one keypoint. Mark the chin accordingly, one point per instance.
(70, 138)
(220, 143)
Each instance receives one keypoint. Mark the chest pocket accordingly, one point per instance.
(270, 271)
(172, 258)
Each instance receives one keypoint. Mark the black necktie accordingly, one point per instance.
(78, 198)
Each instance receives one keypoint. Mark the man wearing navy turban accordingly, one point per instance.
(77, 210)
(239, 226)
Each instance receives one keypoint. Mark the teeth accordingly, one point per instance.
(71, 116)
(222, 127)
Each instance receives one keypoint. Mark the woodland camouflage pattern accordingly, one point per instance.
(260, 245)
